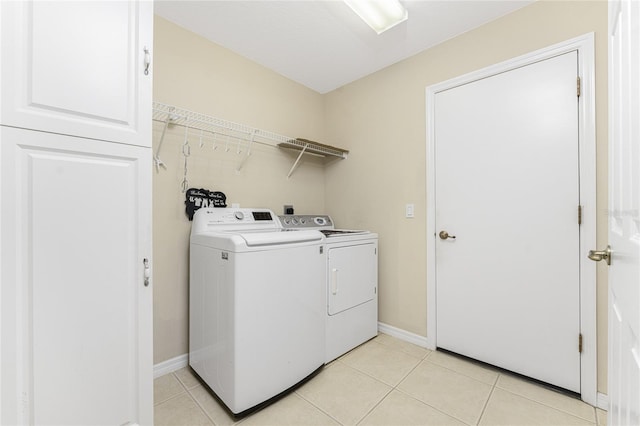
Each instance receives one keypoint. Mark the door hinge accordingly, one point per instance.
(578, 86)
(580, 342)
(579, 215)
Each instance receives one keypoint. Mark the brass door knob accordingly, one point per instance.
(598, 255)
(445, 235)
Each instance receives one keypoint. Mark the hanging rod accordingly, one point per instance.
(171, 115)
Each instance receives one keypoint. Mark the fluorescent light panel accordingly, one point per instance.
(380, 15)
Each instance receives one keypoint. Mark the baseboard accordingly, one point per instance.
(401, 334)
(170, 365)
(603, 401)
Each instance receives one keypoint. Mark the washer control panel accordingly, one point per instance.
(210, 219)
(306, 221)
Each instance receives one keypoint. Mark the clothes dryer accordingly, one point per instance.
(351, 295)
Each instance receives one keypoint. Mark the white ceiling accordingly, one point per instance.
(323, 44)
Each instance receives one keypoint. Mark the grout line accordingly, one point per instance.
(179, 381)
(397, 348)
(155, 404)
(420, 361)
(375, 406)
(551, 406)
(395, 387)
(201, 407)
(432, 407)
(562, 410)
(461, 373)
(378, 379)
(486, 403)
(202, 410)
(173, 396)
(318, 408)
(407, 375)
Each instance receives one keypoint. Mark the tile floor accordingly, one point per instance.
(386, 381)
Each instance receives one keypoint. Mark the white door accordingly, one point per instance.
(77, 68)
(506, 187)
(75, 314)
(624, 213)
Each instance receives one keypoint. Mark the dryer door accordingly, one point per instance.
(351, 276)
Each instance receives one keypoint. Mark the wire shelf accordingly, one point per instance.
(226, 132)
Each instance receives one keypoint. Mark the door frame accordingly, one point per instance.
(587, 175)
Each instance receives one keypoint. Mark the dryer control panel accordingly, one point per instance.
(306, 221)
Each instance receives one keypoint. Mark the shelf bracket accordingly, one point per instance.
(297, 160)
(244, 159)
(157, 162)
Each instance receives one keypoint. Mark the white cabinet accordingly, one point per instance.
(78, 68)
(76, 314)
(75, 213)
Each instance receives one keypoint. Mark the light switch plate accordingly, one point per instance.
(409, 211)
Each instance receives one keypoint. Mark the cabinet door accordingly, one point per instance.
(77, 68)
(75, 314)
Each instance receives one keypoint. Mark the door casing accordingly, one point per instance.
(587, 160)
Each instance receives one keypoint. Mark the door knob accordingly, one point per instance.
(445, 235)
(598, 255)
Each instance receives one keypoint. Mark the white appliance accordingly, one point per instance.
(256, 305)
(351, 267)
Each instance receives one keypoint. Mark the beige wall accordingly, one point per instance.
(382, 120)
(192, 73)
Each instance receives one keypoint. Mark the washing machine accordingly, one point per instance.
(351, 293)
(256, 305)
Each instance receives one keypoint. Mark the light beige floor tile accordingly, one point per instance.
(400, 409)
(546, 396)
(602, 417)
(344, 393)
(506, 408)
(401, 345)
(165, 387)
(187, 377)
(211, 406)
(289, 411)
(381, 362)
(180, 411)
(450, 392)
(462, 366)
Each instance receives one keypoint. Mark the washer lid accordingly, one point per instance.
(263, 238)
(339, 232)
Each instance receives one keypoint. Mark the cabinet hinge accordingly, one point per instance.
(580, 342)
(579, 215)
(578, 86)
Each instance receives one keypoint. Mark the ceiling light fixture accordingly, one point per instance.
(380, 15)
